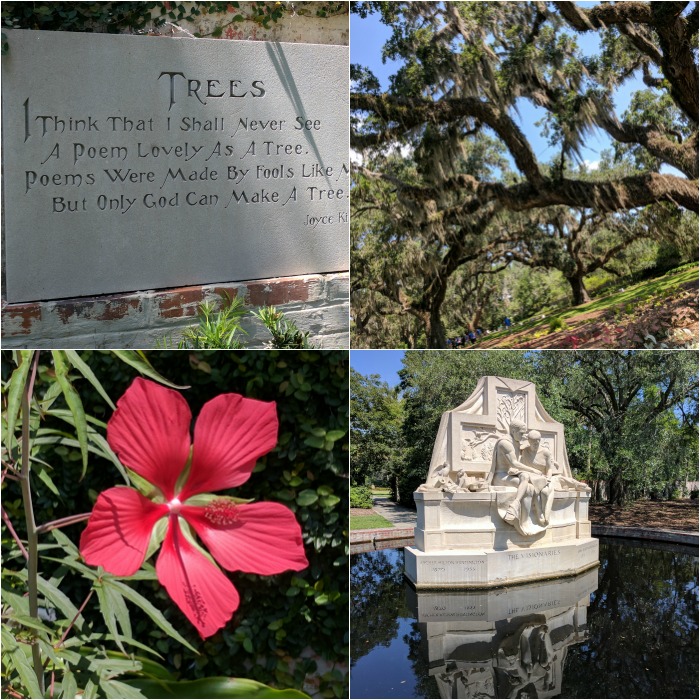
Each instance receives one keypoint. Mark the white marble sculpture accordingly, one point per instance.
(500, 482)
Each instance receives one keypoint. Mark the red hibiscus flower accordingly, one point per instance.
(150, 433)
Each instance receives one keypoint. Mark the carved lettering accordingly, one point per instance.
(160, 140)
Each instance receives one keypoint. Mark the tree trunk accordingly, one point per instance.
(578, 289)
(434, 331)
(616, 490)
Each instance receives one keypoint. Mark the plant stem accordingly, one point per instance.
(62, 522)
(72, 622)
(32, 536)
(14, 534)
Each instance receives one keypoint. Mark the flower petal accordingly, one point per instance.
(230, 434)
(150, 432)
(119, 530)
(258, 538)
(199, 588)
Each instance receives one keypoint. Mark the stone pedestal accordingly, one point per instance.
(462, 542)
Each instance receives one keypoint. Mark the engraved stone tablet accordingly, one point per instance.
(135, 162)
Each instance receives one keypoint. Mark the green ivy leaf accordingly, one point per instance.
(307, 497)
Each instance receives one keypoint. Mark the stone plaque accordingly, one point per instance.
(135, 162)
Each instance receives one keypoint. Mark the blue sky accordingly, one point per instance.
(385, 363)
(368, 36)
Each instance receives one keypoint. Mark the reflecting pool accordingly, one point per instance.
(628, 629)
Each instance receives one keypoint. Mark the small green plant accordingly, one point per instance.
(558, 324)
(217, 328)
(285, 334)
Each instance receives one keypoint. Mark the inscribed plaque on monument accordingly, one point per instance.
(135, 162)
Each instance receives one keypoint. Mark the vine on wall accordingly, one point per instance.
(116, 17)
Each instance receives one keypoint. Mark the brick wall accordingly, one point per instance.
(144, 319)
(316, 303)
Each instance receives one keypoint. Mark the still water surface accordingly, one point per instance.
(629, 630)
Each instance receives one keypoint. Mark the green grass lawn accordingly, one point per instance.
(368, 522)
(632, 296)
(381, 491)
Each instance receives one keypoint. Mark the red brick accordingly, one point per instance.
(26, 313)
(276, 292)
(180, 302)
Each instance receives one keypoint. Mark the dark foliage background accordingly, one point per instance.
(289, 628)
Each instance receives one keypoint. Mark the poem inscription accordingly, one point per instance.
(138, 162)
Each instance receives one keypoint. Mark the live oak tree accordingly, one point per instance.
(375, 431)
(466, 69)
(404, 255)
(467, 64)
(640, 408)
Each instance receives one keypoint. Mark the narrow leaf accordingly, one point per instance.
(152, 612)
(74, 404)
(83, 368)
(107, 610)
(138, 361)
(15, 388)
(214, 688)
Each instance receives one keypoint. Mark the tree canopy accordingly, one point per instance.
(448, 176)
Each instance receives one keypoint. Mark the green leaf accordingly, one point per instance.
(152, 612)
(334, 435)
(137, 360)
(316, 442)
(213, 688)
(31, 622)
(120, 689)
(307, 497)
(108, 598)
(83, 368)
(19, 655)
(15, 388)
(41, 472)
(74, 404)
(69, 685)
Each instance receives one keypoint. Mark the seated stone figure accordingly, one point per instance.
(541, 458)
(528, 510)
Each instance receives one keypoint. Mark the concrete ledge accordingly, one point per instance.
(381, 534)
(644, 533)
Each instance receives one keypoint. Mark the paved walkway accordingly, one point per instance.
(394, 513)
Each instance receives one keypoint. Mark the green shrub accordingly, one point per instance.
(558, 324)
(360, 497)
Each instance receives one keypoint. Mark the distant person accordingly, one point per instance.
(472, 337)
(507, 323)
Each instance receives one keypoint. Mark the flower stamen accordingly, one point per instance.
(221, 511)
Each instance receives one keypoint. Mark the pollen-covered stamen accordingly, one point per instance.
(175, 506)
(221, 511)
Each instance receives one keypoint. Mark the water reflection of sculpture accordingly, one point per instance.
(479, 645)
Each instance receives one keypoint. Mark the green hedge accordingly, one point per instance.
(360, 497)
